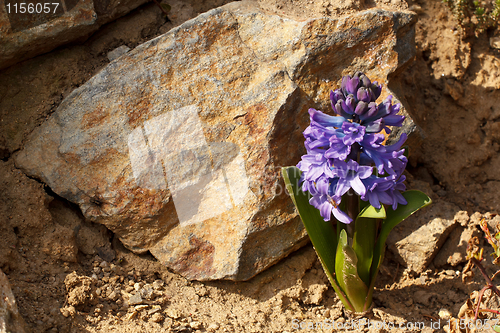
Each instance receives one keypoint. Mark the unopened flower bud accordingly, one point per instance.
(364, 95)
(361, 108)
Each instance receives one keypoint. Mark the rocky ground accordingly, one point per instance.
(70, 275)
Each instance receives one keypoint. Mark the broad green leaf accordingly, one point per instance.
(347, 274)
(322, 234)
(496, 328)
(416, 200)
(372, 212)
(339, 258)
(365, 229)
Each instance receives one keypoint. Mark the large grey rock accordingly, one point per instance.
(41, 29)
(177, 145)
(10, 318)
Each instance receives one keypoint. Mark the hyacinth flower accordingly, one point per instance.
(349, 187)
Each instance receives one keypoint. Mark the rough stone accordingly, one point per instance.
(10, 318)
(118, 52)
(416, 241)
(454, 250)
(135, 299)
(177, 145)
(25, 35)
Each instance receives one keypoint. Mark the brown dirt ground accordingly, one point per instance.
(69, 275)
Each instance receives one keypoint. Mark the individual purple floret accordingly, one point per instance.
(346, 155)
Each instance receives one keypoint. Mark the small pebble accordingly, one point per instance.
(195, 325)
(173, 313)
(130, 316)
(213, 327)
(154, 309)
(135, 299)
(113, 296)
(68, 311)
(147, 292)
(444, 314)
(158, 284)
(157, 317)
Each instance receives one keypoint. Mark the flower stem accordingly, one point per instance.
(352, 208)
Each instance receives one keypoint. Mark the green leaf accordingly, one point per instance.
(322, 234)
(496, 328)
(347, 274)
(166, 7)
(372, 212)
(365, 229)
(416, 200)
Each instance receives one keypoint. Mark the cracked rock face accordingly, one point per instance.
(43, 28)
(177, 145)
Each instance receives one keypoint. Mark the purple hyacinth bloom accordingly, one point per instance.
(377, 191)
(386, 112)
(350, 175)
(313, 166)
(349, 85)
(338, 149)
(346, 152)
(384, 157)
(353, 133)
(395, 192)
(328, 205)
(324, 119)
(327, 202)
(364, 95)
